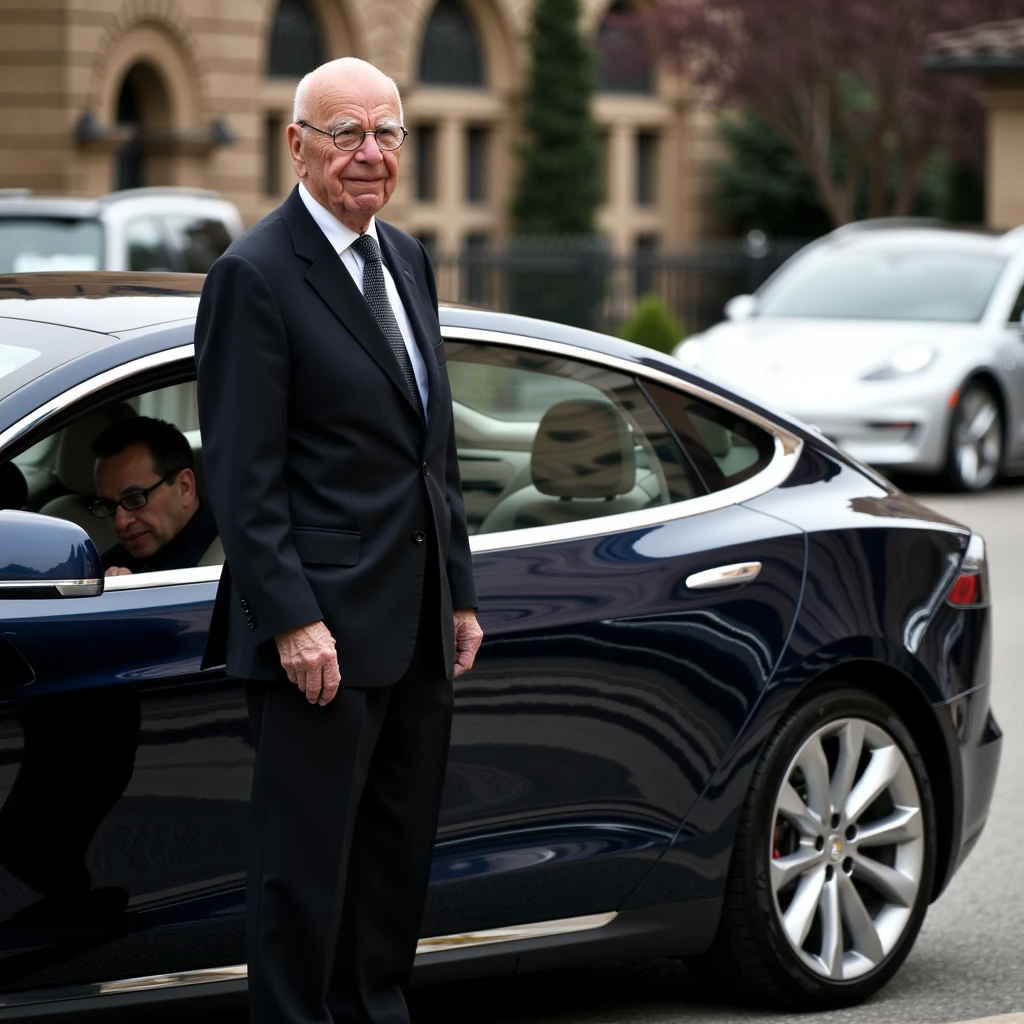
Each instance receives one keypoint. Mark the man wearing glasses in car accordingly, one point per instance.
(146, 486)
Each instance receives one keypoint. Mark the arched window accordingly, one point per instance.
(452, 53)
(624, 59)
(296, 40)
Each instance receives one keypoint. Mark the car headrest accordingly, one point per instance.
(199, 469)
(13, 486)
(583, 449)
(75, 460)
(716, 438)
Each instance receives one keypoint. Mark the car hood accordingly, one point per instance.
(792, 362)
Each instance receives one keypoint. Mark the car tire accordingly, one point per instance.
(863, 884)
(974, 448)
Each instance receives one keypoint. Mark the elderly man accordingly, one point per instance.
(347, 600)
(146, 484)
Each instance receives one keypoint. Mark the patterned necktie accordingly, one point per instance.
(376, 295)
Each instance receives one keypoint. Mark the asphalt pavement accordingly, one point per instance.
(969, 959)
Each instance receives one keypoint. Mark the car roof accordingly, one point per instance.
(22, 203)
(101, 303)
(49, 206)
(876, 237)
(113, 303)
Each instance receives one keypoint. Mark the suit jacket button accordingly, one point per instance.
(426, 469)
(419, 537)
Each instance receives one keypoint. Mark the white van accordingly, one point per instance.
(177, 229)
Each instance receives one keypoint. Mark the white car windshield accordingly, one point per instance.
(885, 285)
(29, 244)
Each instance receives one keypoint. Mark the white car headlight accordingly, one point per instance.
(910, 360)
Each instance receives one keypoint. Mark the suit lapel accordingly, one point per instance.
(331, 280)
(405, 283)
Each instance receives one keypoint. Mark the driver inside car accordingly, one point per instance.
(146, 485)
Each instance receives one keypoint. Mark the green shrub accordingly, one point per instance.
(653, 324)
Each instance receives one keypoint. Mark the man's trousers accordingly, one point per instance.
(344, 815)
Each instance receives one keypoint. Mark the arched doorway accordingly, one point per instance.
(143, 107)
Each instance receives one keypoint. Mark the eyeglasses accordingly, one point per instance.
(350, 138)
(132, 502)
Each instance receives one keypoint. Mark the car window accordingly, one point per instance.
(885, 284)
(545, 440)
(67, 459)
(147, 246)
(726, 448)
(29, 244)
(1018, 309)
(198, 241)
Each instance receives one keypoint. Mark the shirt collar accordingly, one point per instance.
(340, 236)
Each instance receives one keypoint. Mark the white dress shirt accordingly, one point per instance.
(341, 238)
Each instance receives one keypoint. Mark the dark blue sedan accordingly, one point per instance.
(733, 703)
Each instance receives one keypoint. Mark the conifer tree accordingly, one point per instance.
(559, 185)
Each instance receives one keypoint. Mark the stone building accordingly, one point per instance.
(104, 94)
(994, 52)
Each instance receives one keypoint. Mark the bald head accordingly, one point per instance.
(348, 69)
(352, 97)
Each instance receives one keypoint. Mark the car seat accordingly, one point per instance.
(214, 554)
(13, 486)
(75, 462)
(582, 465)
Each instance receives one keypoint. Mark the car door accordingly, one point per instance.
(124, 777)
(618, 664)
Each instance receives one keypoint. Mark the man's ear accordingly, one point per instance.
(294, 136)
(186, 485)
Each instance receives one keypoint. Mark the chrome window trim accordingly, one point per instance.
(239, 972)
(787, 451)
(91, 386)
(165, 578)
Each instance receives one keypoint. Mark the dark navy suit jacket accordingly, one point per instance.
(325, 485)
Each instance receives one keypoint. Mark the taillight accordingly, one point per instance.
(970, 588)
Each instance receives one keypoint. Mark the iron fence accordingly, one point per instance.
(578, 281)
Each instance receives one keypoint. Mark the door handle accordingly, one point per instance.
(724, 576)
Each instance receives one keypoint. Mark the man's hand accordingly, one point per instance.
(468, 636)
(118, 570)
(310, 661)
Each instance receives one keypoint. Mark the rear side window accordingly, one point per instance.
(198, 241)
(544, 440)
(727, 449)
(1018, 309)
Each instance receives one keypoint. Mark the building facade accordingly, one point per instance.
(103, 94)
(993, 52)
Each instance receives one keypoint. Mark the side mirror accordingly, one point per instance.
(741, 307)
(45, 557)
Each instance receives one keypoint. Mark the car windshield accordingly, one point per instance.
(885, 285)
(50, 243)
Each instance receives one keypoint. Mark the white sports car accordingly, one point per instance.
(902, 343)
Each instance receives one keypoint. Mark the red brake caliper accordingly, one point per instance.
(775, 843)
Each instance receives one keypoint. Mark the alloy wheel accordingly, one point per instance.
(847, 850)
(977, 439)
